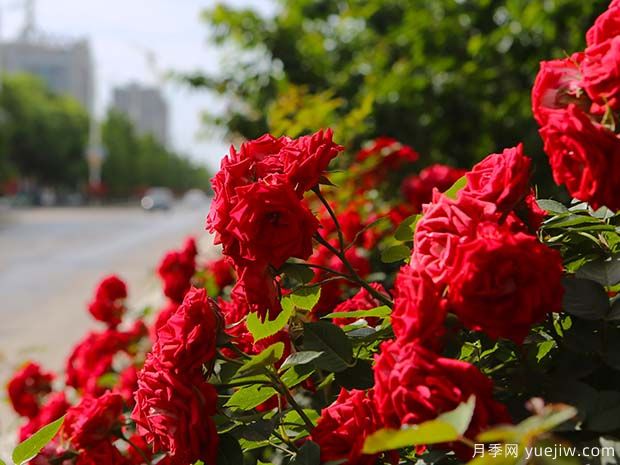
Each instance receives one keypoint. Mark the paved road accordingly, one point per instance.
(51, 259)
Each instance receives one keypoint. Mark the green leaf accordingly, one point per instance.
(250, 397)
(332, 341)
(296, 374)
(33, 445)
(456, 187)
(552, 206)
(306, 297)
(447, 427)
(395, 253)
(267, 357)
(229, 451)
(300, 358)
(263, 329)
(108, 380)
(2, 462)
(298, 272)
(405, 230)
(544, 348)
(604, 272)
(585, 299)
(309, 454)
(359, 376)
(380, 312)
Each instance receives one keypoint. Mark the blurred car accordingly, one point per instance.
(195, 198)
(157, 198)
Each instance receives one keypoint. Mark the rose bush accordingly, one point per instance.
(347, 325)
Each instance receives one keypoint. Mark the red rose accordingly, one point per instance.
(418, 189)
(271, 224)
(221, 272)
(445, 225)
(391, 152)
(414, 385)
(173, 413)
(27, 387)
(187, 340)
(505, 283)
(177, 269)
(557, 85)
(363, 300)
(344, 426)
(306, 159)
(606, 25)
(108, 303)
(257, 288)
(584, 156)
(103, 453)
(419, 308)
(601, 74)
(163, 315)
(127, 384)
(55, 407)
(93, 420)
(501, 178)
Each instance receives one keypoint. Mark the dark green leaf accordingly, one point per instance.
(395, 253)
(300, 358)
(296, 375)
(614, 313)
(229, 451)
(309, 454)
(405, 230)
(604, 272)
(585, 299)
(33, 445)
(298, 272)
(332, 341)
(359, 376)
(306, 297)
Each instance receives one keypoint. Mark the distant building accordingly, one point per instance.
(66, 66)
(146, 109)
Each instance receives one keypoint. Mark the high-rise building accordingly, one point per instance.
(66, 66)
(146, 109)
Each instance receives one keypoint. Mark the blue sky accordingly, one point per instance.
(123, 33)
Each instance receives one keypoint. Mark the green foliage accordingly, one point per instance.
(337, 352)
(135, 162)
(450, 78)
(42, 135)
(33, 445)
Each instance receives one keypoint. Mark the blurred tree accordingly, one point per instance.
(134, 162)
(450, 77)
(43, 135)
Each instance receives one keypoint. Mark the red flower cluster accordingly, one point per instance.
(54, 408)
(93, 421)
(27, 388)
(174, 403)
(258, 213)
(177, 269)
(480, 248)
(108, 303)
(390, 151)
(576, 101)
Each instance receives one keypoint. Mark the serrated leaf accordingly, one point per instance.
(250, 397)
(551, 206)
(229, 451)
(263, 329)
(300, 358)
(585, 299)
(604, 272)
(452, 192)
(33, 445)
(306, 297)
(267, 357)
(379, 312)
(332, 341)
(395, 253)
(296, 374)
